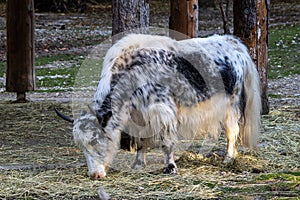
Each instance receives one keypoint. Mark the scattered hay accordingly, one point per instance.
(280, 139)
(243, 163)
(39, 161)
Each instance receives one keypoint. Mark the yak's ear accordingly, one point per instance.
(106, 118)
(96, 113)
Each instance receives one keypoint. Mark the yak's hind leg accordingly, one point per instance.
(232, 132)
(168, 147)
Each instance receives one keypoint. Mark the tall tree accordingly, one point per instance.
(184, 19)
(20, 47)
(129, 15)
(251, 25)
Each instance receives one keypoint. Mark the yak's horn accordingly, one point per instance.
(67, 118)
(92, 110)
(99, 117)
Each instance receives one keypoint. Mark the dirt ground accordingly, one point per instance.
(39, 160)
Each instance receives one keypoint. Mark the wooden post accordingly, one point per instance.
(130, 15)
(251, 25)
(262, 49)
(20, 47)
(184, 19)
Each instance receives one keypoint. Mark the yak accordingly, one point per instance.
(157, 89)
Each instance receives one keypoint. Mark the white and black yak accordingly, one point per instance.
(158, 89)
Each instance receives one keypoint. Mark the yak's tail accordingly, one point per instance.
(250, 130)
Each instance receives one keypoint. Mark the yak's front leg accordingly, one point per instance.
(168, 148)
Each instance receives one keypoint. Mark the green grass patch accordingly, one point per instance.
(51, 58)
(276, 96)
(58, 78)
(77, 73)
(284, 176)
(46, 60)
(284, 51)
(81, 75)
(89, 73)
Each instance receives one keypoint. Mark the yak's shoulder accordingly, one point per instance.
(161, 67)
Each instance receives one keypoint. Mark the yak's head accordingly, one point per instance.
(90, 134)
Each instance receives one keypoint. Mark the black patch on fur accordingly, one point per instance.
(139, 92)
(154, 60)
(228, 73)
(115, 79)
(193, 76)
(105, 111)
(135, 63)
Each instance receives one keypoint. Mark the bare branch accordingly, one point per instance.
(225, 14)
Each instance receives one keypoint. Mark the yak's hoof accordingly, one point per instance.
(228, 160)
(170, 169)
(138, 165)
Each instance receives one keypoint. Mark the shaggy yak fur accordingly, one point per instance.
(160, 90)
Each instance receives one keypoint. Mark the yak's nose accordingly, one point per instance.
(97, 175)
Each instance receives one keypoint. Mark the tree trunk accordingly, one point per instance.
(251, 25)
(20, 47)
(130, 16)
(184, 19)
